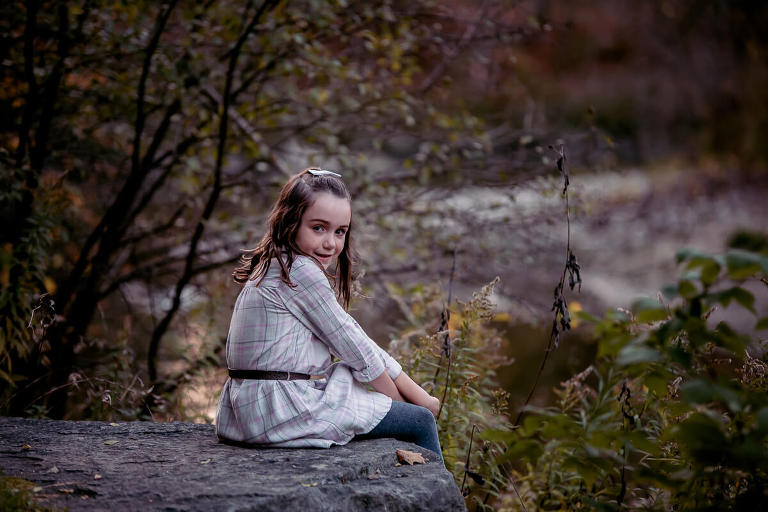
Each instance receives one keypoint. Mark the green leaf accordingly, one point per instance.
(740, 295)
(612, 344)
(709, 273)
(670, 291)
(528, 448)
(648, 310)
(743, 264)
(651, 315)
(726, 337)
(762, 324)
(657, 383)
(504, 436)
(687, 289)
(689, 253)
(703, 439)
(588, 472)
(633, 354)
(587, 317)
(680, 356)
(703, 260)
(640, 441)
(698, 391)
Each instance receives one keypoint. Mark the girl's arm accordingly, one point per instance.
(386, 386)
(415, 394)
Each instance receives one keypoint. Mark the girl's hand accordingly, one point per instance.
(433, 404)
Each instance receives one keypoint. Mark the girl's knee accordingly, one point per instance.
(425, 417)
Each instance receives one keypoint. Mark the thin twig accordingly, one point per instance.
(562, 310)
(445, 388)
(466, 463)
(445, 318)
(560, 306)
(514, 487)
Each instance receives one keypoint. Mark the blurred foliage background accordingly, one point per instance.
(141, 144)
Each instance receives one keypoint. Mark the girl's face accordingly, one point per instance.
(324, 226)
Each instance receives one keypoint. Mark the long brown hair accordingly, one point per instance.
(279, 242)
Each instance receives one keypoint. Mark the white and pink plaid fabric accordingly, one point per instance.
(280, 328)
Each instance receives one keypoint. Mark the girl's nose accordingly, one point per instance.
(327, 242)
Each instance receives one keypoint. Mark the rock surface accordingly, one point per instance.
(88, 465)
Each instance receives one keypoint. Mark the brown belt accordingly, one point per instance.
(267, 375)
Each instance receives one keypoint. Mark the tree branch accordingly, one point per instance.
(112, 226)
(450, 54)
(234, 54)
(152, 271)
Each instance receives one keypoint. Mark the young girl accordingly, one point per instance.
(289, 321)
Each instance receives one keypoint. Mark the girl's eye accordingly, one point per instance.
(341, 232)
(317, 228)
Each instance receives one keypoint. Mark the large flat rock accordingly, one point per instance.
(90, 465)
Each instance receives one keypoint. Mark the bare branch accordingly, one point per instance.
(159, 270)
(451, 54)
(234, 54)
(248, 130)
(157, 229)
(112, 224)
(141, 91)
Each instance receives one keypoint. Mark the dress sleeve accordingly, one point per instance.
(393, 368)
(313, 302)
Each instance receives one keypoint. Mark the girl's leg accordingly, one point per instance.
(408, 422)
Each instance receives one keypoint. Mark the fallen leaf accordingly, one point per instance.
(313, 484)
(375, 476)
(26, 447)
(97, 476)
(67, 491)
(398, 465)
(54, 469)
(410, 458)
(206, 461)
(110, 441)
(114, 424)
(37, 489)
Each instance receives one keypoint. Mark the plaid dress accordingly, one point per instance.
(282, 328)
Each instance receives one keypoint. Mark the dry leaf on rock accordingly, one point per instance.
(26, 447)
(67, 491)
(313, 484)
(54, 469)
(97, 477)
(110, 441)
(410, 457)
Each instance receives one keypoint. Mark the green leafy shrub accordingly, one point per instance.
(673, 415)
(25, 255)
(456, 362)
